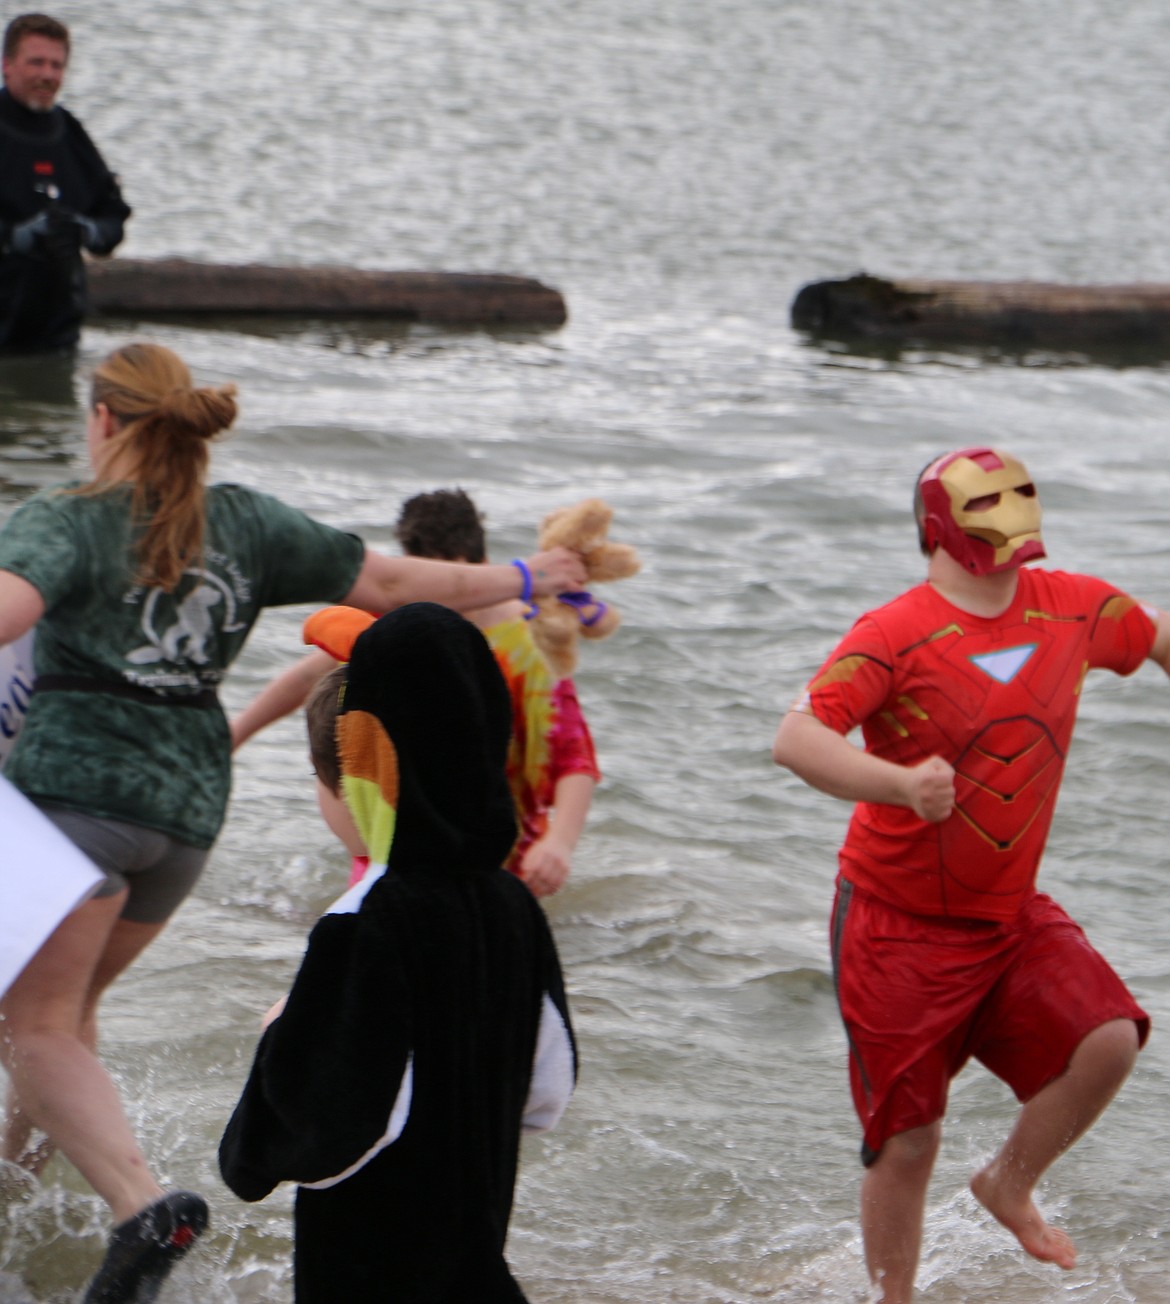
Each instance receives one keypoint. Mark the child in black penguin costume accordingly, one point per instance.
(427, 1026)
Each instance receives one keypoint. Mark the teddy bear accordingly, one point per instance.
(559, 621)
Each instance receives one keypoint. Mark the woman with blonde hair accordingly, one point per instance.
(143, 585)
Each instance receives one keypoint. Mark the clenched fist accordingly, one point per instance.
(930, 790)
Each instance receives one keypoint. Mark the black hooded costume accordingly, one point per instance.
(428, 1023)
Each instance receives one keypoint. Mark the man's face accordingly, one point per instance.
(34, 73)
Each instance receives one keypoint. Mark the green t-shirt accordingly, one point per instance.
(154, 764)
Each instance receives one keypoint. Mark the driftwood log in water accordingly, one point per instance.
(1009, 314)
(143, 287)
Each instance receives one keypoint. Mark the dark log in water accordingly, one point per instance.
(141, 287)
(1009, 314)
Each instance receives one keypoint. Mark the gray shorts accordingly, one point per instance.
(158, 870)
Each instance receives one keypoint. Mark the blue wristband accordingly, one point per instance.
(526, 576)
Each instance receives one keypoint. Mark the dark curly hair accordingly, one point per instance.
(444, 524)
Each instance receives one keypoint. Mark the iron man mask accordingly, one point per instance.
(980, 506)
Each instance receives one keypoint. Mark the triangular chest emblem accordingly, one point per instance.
(1005, 665)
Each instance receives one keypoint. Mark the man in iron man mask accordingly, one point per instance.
(965, 690)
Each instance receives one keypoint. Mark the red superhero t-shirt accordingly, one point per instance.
(997, 699)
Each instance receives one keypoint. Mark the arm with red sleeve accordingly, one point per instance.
(573, 764)
(819, 752)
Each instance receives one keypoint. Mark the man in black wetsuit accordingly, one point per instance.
(57, 196)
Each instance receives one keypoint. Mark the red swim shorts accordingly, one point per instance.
(920, 996)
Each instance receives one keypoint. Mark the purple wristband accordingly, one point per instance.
(581, 601)
(526, 576)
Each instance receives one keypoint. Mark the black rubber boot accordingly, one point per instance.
(146, 1247)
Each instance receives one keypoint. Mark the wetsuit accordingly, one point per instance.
(47, 159)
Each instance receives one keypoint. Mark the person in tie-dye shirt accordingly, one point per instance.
(552, 766)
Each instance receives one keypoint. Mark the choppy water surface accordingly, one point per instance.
(677, 171)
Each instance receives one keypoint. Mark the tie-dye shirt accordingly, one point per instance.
(550, 738)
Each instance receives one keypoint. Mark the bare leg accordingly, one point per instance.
(893, 1206)
(1046, 1127)
(127, 940)
(48, 1033)
(19, 1146)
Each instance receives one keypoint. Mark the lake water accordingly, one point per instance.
(677, 171)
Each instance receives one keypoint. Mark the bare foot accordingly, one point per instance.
(1021, 1217)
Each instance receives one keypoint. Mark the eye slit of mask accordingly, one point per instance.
(982, 504)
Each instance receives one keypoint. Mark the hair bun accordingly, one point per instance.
(201, 412)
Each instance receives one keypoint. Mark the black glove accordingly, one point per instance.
(28, 234)
(61, 240)
(56, 231)
(91, 235)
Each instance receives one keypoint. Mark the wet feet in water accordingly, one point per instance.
(1024, 1221)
